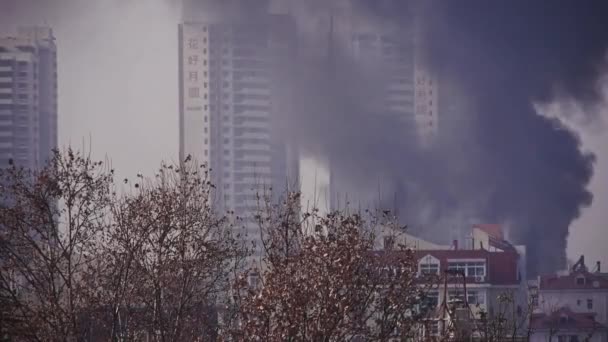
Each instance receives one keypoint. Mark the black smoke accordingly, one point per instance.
(495, 158)
(504, 57)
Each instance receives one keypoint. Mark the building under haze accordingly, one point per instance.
(28, 97)
(403, 86)
(231, 98)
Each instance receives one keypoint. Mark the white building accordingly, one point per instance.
(28, 97)
(572, 306)
(389, 59)
(492, 270)
(230, 98)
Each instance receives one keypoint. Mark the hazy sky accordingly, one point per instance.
(118, 92)
(117, 75)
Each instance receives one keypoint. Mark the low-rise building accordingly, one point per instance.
(482, 282)
(572, 306)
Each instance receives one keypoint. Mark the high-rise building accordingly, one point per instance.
(28, 97)
(390, 58)
(231, 99)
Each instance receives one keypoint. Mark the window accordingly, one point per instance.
(193, 43)
(429, 268)
(431, 299)
(254, 280)
(567, 338)
(433, 327)
(470, 268)
(474, 297)
(590, 304)
(389, 242)
(428, 265)
(578, 302)
(580, 280)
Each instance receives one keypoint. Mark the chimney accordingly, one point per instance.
(599, 267)
(455, 244)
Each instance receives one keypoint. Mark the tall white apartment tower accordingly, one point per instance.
(231, 100)
(28, 97)
(407, 90)
(410, 89)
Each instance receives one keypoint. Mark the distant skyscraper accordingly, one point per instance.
(407, 89)
(230, 99)
(28, 97)
(410, 89)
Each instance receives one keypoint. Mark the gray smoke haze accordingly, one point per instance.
(504, 57)
(495, 159)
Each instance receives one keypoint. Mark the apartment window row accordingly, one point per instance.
(239, 86)
(474, 297)
(242, 108)
(255, 130)
(256, 188)
(251, 119)
(257, 177)
(470, 268)
(251, 152)
(242, 97)
(428, 268)
(241, 164)
(589, 303)
(568, 338)
(249, 73)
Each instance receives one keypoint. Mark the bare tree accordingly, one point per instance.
(321, 280)
(167, 258)
(80, 262)
(49, 221)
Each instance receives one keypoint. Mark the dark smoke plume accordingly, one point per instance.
(495, 158)
(503, 57)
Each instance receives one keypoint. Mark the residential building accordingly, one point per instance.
(400, 86)
(28, 97)
(231, 97)
(572, 305)
(476, 283)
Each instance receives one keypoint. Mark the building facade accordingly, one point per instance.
(468, 286)
(231, 99)
(28, 97)
(572, 306)
(388, 59)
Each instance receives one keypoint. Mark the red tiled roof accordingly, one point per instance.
(501, 266)
(565, 319)
(569, 282)
(494, 230)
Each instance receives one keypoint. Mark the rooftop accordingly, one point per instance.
(501, 267)
(577, 280)
(565, 319)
